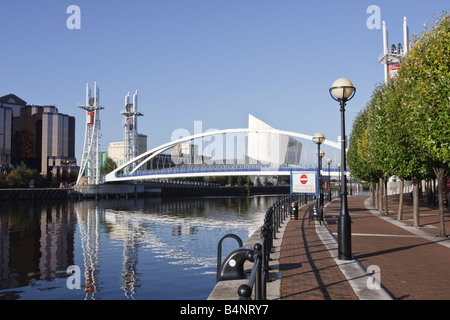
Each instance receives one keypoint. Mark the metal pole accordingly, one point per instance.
(320, 198)
(344, 220)
(329, 183)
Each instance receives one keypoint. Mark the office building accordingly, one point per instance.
(44, 139)
(10, 106)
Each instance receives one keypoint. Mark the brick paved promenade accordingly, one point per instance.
(414, 262)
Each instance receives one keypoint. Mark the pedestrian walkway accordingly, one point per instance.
(413, 262)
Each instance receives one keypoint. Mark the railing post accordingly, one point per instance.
(265, 255)
(280, 217)
(260, 283)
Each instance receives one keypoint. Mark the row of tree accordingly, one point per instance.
(23, 177)
(405, 128)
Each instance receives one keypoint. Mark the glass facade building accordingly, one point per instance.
(39, 136)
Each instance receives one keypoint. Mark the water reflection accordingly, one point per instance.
(88, 218)
(37, 241)
(122, 246)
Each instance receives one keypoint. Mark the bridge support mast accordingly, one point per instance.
(130, 134)
(90, 163)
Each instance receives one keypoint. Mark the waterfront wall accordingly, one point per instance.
(33, 194)
(171, 190)
(135, 190)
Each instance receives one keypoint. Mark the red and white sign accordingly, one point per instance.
(303, 182)
(304, 179)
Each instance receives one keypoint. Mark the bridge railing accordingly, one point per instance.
(218, 168)
(260, 254)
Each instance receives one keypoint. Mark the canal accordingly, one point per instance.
(143, 249)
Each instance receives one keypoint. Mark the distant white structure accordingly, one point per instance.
(271, 148)
(116, 149)
(90, 163)
(392, 59)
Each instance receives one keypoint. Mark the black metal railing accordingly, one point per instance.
(260, 254)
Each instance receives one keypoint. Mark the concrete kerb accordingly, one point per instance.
(356, 275)
(227, 290)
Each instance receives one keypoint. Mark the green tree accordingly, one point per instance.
(405, 158)
(108, 166)
(427, 103)
(404, 129)
(358, 152)
(22, 175)
(248, 184)
(378, 143)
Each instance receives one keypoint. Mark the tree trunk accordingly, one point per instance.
(371, 194)
(386, 196)
(439, 172)
(415, 202)
(376, 194)
(400, 201)
(380, 194)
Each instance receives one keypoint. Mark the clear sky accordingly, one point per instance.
(213, 61)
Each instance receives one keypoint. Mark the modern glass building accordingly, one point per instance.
(39, 136)
(44, 139)
(10, 106)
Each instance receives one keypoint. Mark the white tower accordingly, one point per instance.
(130, 134)
(392, 59)
(90, 163)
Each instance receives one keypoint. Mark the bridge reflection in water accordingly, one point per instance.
(181, 237)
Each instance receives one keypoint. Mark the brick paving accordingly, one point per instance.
(309, 272)
(412, 267)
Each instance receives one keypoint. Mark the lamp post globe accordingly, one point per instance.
(318, 138)
(342, 90)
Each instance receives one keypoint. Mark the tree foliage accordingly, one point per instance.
(108, 166)
(22, 175)
(404, 130)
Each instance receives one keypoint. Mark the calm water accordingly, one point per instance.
(125, 249)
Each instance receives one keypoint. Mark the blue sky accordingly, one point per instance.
(210, 60)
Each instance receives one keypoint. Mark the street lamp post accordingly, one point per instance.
(329, 161)
(322, 154)
(342, 91)
(340, 181)
(318, 139)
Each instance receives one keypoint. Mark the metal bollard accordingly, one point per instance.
(233, 266)
(294, 211)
